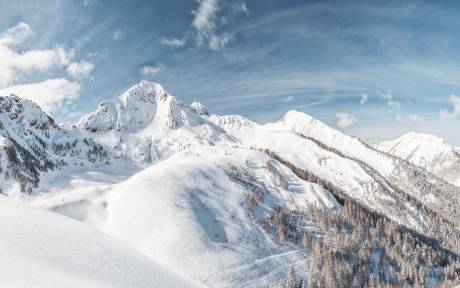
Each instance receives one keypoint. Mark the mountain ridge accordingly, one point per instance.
(224, 176)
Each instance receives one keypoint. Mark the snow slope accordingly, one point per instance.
(192, 212)
(39, 248)
(378, 180)
(427, 151)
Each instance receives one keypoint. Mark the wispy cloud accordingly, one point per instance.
(345, 120)
(388, 98)
(444, 114)
(217, 42)
(244, 8)
(50, 94)
(117, 34)
(80, 69)
(288, 99)
(204, 20)
(152, 70)
(364, 98)
(206, 26)
(15, 35)
(173, 42)
(15, 63)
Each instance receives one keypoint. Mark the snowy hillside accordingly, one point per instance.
(42, 249)
(206, 212)
(229, 202)
(376, 179)
(427, 151)
(31, 143)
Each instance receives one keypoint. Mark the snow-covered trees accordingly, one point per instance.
(291, 278)
(357, 247)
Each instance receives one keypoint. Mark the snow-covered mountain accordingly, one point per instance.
(427, 151)
(221, 199)
(146, 124)
(378, 180)
(31, 144)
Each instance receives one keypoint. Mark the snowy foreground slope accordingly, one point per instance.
(193, 211)
(427, 151)
(226, 201)
(43, 249)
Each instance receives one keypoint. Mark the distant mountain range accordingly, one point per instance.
(229, 202)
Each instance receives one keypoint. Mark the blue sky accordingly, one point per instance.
(374, 70)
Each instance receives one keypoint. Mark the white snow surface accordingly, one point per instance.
(178, 181)
(346, 162)
(39, 248)
(427, 151)
(187, 212)
(146, 125)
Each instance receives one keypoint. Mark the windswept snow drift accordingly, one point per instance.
(39, 248)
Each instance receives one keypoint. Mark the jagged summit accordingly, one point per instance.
(143, 105)
(17, 109)
(199, 108)
(132, 110)
(145, 124)
(32, 144)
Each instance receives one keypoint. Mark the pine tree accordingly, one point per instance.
(291, 278)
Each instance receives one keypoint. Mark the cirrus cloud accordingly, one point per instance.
(173, 42)
(206, 25)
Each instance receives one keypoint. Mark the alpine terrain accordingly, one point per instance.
(165, 194)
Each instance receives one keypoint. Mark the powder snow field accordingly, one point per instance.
(186, 212)
(39, 248)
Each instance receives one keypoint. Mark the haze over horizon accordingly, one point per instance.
(371, 70)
